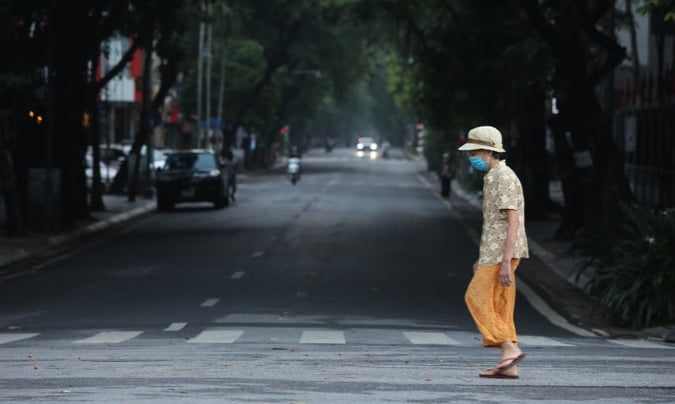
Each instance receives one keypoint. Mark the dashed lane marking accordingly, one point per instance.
(111, 337)
(238, 275)
(11, 337)
(429, 338)
(210, 302)
(175, 327)
(323, 337)
(217, 337)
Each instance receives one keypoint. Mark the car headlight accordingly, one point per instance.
(373, 146)
(359, 146)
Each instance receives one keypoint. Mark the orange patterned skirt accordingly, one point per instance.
(491, 305)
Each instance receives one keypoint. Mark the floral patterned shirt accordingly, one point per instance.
(501, 191)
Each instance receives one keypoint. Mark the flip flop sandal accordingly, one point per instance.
(498, 375)
(514, 361)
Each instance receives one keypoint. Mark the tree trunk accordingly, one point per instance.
(14, 220)
(144, 131)
(529, 156)
(69, 94)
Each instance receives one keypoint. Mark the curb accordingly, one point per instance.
(61, 239)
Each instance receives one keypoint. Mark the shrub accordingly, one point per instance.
(633, 270)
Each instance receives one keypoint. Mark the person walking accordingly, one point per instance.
(444, 174)
(232, 167)
(491, 294)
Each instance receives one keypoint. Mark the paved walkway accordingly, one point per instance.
(554, 286)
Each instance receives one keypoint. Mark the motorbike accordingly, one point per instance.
(293, 169)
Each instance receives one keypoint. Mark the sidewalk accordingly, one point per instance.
(118, 210)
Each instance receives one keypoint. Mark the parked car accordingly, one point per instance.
(191, 176)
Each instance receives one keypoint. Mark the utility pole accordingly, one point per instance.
(221, 88)
(200, 72)
(208, 56)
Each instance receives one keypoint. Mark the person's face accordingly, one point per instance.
(482, 153)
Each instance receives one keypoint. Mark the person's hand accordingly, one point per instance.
(505, 278)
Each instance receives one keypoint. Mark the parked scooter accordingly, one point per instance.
(294, 169)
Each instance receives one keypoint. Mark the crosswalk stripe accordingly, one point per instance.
(217, 337)
(639, 343)
(323, 337)
(175, 327)
(11, 337)
(210, 302)
(111, 337)
(532, 340)
(327, 336)
(429, 338)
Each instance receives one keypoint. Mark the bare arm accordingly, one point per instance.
(509, 246)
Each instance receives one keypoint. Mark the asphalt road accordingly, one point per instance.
(347, 287)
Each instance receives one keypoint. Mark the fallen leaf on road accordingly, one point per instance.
(108, 343)
(226, 364)
(327, 378)
(340, 354)
(30, 356)
(36, 367)
(428, 380)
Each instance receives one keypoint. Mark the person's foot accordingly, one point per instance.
(496, 373)
(509, 360)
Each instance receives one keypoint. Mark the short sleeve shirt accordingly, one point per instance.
(501, 191)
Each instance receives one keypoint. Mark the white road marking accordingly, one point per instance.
(11, 337)
(542, 307)
(639, 343)
(238, 275)
(175, 327)
(323, 337)
(217, 337)
(210, 302)
(429, 338)
(112, 337)
(532, 340)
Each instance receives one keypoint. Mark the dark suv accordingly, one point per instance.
(191, 176)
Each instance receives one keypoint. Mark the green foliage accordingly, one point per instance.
(633, 270)
(668, 6)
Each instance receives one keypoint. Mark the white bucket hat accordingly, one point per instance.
(484, 138)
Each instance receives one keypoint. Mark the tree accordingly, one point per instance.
(466, 63)
(584, 54)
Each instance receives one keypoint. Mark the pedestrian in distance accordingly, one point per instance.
(232, 167)
(444, 174)
(491, 294)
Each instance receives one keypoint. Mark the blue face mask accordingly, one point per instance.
(478, 163)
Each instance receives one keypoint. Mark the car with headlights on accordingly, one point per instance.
(191, 176)
(366, 144)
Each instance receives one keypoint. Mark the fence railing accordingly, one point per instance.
(646, 138)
